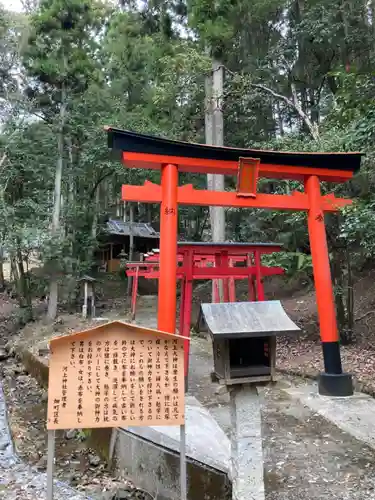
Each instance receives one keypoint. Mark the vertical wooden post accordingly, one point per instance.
(183, 469)
(110, 266)
(168, 250)
(85, 298)
(182, 305)
(232, 285)
(259, 282)
(131, 242)
(224, 261)
(134, 294)
(50, 463)
(215, 291)
(251, 283)
(333, 382)
(188, 298)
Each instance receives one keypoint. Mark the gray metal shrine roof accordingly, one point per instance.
(248, 319)
(137, 229)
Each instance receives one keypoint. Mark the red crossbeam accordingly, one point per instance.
(197, 258)
(187, 195)
(212, 272)
(204, 166)
(209, 273)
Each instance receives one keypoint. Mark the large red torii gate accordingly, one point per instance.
(172, 157)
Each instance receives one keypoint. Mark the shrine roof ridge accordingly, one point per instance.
(131, 326)
(228, 244)
(132, 142)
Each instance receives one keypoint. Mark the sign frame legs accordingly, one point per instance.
(183, 469)
(50, 463)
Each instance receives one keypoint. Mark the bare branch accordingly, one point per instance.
(313, 129)
(2, 159)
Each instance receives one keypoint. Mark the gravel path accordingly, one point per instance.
(18, 480)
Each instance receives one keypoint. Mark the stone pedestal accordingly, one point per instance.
(246, 444)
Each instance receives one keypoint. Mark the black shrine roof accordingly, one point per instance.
(132, 142)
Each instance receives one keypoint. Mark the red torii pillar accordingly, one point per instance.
(323, 282)
(167, 299)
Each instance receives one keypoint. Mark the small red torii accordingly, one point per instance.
(247, 165)
(202, 261)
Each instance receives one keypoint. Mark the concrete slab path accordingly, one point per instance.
(355, 414)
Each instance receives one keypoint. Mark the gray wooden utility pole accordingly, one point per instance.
(214, 131)
(217, 213)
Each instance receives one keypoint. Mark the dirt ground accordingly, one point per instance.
(76, 464)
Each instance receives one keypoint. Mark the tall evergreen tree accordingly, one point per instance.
(60, 61)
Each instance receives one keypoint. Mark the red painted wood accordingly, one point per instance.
(188, 298)
(215, 292)
(168, 250)
(258, 276)
(211, 273)
(203, 166)
(321, 266)
(187, 195)
(232, 286)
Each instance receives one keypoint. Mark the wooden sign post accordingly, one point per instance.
(115, 375)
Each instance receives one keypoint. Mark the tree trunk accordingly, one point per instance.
(94, 226)
(279, 119)
(345, 49)
(13, 268)
(131, 243)
(2, 279)
(14, 274)
(343, 282)
(55, 228)
(372, 8)
(70, 199)
(350, 298)
(25, 300)
(314, 107)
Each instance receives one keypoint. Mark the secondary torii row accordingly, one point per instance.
(218, 262)
(172, 157)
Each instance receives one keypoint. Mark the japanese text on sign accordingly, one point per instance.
(116, 378)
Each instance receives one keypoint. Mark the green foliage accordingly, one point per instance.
(141, 66)
(291, 262)
(358, 227)
(62, 35)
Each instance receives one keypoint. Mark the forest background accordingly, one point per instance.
(298, 76)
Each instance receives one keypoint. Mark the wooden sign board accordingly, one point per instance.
(116, 375)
